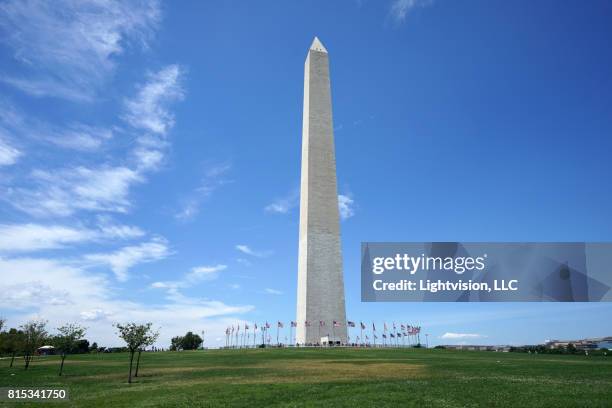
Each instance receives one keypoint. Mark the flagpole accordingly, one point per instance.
(361, 331)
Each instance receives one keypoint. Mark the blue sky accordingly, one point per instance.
(149, 154)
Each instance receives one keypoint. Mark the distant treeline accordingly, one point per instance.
(569, 349)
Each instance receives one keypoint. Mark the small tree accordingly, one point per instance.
(191, 341)
(34, 334)
(12, 342)
(150, 339)
(67, 339)
(135, 336)
(176, 343)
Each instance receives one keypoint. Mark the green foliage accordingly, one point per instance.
(176, 343)
(34, 335)
(189, 341)
(11, 341)
(68, 339)
(137, 336)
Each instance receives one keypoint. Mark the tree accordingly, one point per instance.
(11, 343)
(135, 337)
(67, 339)
(176, 343)
(150, 339)
(191, 341)
(94, 346)
(34, 334)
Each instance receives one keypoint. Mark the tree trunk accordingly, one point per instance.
(62, 365)
(13, 358)
(137, 363)
(27, 361)
(131, 361)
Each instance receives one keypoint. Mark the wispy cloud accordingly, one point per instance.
(245, 249)
(106, 187)
(194, 276)
(401, 8)
(62, 192)
(214, 177)
(271, 291)
(78, 136)
(8, 154)
(33, 237)
(346, 206)
(127, 257)
(67, 48)
(461, 336)
(148, 110)
(285, 204)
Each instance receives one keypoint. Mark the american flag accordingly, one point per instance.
(280, 324)
(238, 329)
(246, 326)
(307, 323)
(367, 338)
(391, 334)
(255, 326)
(363, 326)
(351, 324)
(375, 336)
(399, 334)
(227, 331)
(403, 327)
(394, 326)
(384, 336)
(321, 323)
(293, 324)
(373, 327)
(336, 324)
(267, 325)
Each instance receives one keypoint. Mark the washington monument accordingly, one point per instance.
(320, 298)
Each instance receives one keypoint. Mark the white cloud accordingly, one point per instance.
(194, 276)
(62, 192)
(94, 314)
(67, 48)
(345, 206)
(271, 291)
(245, 249)
(33, 237)
(149, 110)
(200, 273)
(8, 154)
(401, 8)
(79, 137)
(461, 336)
(285, 204)
(213, 178)
(42, 288)
(125, 258)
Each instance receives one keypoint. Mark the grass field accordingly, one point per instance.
(331, 377)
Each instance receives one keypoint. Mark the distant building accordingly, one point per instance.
(476, 347)
(583, 344)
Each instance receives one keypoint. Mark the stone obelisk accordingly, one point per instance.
(320, 297)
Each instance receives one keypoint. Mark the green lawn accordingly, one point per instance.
(330, 377)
